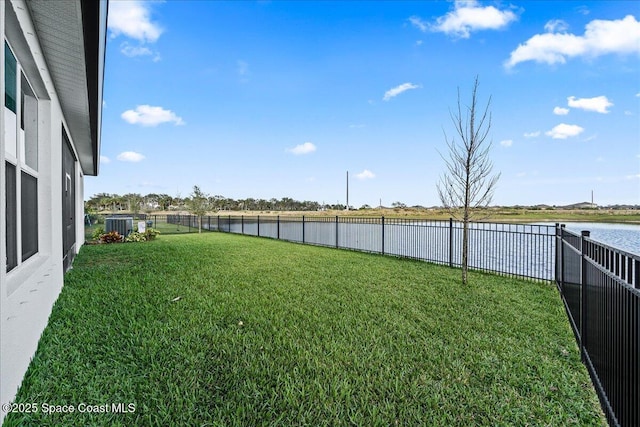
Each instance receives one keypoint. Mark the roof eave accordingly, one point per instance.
(94, 16)
(75, 57)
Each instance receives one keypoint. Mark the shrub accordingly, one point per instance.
(134, 236)
(111, 237)
(97, 233)
(151, 233)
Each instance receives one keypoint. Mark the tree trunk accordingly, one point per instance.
(465, 250)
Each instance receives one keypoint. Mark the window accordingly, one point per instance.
(11, 216)
(10, 79)
(21, 172)
(10, 110)
(28, 125)
(29, 215)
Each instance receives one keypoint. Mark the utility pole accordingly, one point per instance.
(347, 190)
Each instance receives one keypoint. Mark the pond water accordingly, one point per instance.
(621, 236)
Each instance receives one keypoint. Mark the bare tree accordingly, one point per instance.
(468, 183)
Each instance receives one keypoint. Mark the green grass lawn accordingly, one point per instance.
(225, 330)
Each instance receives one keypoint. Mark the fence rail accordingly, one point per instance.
(600, 287)
(518, 250)
(510, 249)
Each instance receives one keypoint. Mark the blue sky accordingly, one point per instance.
(282, 98)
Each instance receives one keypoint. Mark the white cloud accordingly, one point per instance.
(105, 160)
(564, 131)
(398, 90)
(599, 104)
(306, 148)
(583, 10)
(130, 156)
(532, 134)
(147, 115)
(132, 18)
(601, 37)
(468, 16)
(506, 143)
(365, 174)
(419, 23)
(556, 25)
(638, 95)
(132, 51)
(628, 113)
(559, 111)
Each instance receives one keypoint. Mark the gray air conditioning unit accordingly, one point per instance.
(123, 225)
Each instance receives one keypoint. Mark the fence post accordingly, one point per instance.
(337, 246)
(556, 256)
(583, 293)
(278, 227)
(258, 225)
(636, 279)
(242, 224)
(302, 228)
(382, 234)
(229, 223)
(562, 258)
(450, 242)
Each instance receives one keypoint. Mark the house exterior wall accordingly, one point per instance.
(29, 291)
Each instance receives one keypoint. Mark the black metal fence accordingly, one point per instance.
(519, 250)
(166, 224)
(600, 287)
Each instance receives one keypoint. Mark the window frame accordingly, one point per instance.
(22, 243)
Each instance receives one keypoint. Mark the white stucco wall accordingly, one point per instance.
(28, 292)
(3, 224)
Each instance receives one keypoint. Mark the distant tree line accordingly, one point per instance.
(104, 202)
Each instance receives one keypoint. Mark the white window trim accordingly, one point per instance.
(20, 162)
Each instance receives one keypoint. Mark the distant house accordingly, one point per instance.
(51, 77)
